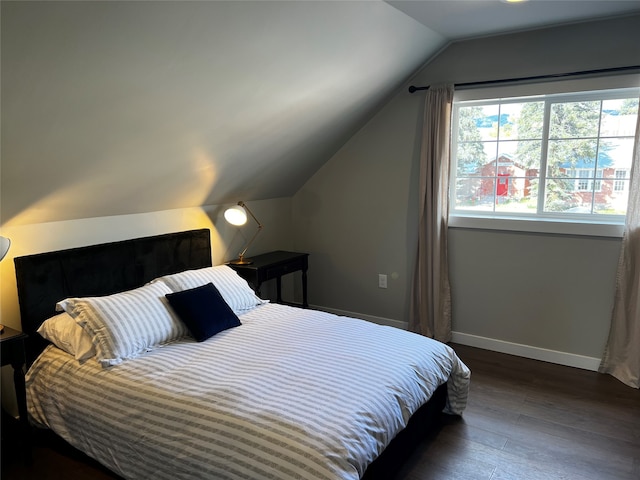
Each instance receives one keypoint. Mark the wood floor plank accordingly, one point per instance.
(469, 431)
(575, 458)
(452, 454)
(449, 457)
(584, 415)
(578, 436)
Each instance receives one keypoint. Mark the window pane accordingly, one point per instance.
(478, 123)
(516, 194)
(617, 198)
(507, 128)
(559, 197)
(475, 193)
(489, 169)
(525, 120)
(564, 155)
(528, 155)
(619, 117)
(507, 148)
(471, 156)
(574, 119)
(487, 122)
(616, 154)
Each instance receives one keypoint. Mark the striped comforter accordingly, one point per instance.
(289, 394)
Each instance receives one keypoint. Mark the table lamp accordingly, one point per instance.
(237, 215)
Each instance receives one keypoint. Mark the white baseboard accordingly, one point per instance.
(370, 318)
(520, 350)
(527, 351)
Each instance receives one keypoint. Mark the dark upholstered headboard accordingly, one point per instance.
(46, 278)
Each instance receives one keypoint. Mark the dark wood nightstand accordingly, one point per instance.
(13, 353)
(275, 265)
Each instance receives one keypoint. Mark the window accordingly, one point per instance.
(554, 157)
(585, 181)
(619, 185)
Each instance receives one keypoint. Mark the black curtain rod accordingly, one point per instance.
(413, 89)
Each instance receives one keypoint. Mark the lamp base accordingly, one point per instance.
(241, 261)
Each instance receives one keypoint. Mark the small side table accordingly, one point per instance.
(275, 265)
(12, 351)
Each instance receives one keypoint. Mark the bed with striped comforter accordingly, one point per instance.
(289, 394)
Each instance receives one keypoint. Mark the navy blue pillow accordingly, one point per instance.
(203, 310)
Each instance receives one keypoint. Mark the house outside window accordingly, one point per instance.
(553, 157)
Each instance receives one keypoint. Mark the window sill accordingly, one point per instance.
(550, 226)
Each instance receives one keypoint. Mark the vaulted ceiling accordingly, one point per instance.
(112, 108)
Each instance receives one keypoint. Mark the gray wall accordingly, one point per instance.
(352, 217)
(548, 291)
(358, 214)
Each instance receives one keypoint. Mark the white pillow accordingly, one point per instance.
(124, 325)
(63, 331)
(234, 289)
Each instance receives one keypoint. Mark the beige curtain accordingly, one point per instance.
(622, 354)
(430, 311)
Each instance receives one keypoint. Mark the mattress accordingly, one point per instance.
(291, 393)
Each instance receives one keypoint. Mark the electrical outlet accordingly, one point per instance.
(382, 280)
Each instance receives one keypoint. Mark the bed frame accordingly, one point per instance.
(45, 279)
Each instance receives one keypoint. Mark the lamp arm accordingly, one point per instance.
(241, 255)
(244, 205)
(260, 227)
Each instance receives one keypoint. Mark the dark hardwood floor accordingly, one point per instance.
(531, 420)
(526, 420)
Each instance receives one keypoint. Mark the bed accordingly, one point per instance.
(274, 392)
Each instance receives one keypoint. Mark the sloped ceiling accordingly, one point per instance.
(112, 108)
(118, 107)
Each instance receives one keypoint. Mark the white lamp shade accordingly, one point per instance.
(5, 243)
(236, 215)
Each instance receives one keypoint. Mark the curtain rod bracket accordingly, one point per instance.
(413, 88)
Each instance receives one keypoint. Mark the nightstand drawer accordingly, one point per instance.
(279, 270)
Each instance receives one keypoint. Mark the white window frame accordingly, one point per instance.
(572, 224)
